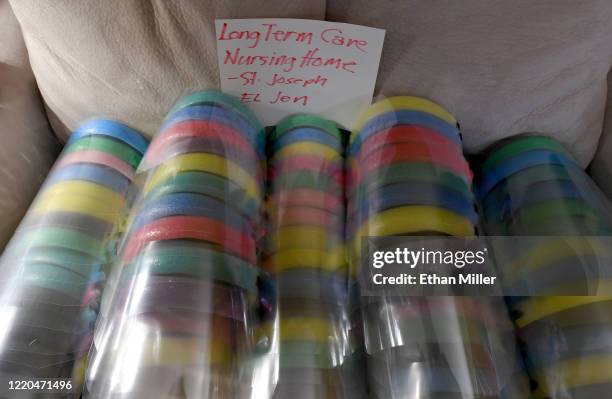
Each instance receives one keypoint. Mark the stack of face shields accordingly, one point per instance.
(54, 267)
(179, 322)
(409, 177)
(558, 263)
(305, 254)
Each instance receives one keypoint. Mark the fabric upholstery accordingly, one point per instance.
(27, 147)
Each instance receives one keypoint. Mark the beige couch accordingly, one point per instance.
(28, 147)
(501, 67)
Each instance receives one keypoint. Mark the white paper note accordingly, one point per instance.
(281, 67)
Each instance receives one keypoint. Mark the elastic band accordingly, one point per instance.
(111, 128)
(197, 228)
(205, 163)
(96, 157)
(405, 102)
(106, 144)
(415, 118)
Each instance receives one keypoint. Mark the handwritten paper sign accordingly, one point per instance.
(281, 67)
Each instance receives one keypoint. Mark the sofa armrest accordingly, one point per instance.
(28, 146)
(601, 167)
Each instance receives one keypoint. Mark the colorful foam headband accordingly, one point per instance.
(415, 118)
(92, 173)
(96, 157)
(109, 145)
(196, 261)
(408, 103)
(410, 172)
(537, 308)
(518, 163)
(206, 184)
(197, 228)
(217, 98)
(113, 129)
(199, 129)
(521, 145)
(415, 193)
(307, 134)
(305, 237)
(325, 259)
(403, 134)
(413, 219)
(205, 163)
(217, 114)
(306, 148)
(306, 121)
(413, 153)
(187, 204)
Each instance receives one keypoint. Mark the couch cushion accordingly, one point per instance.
(502, 67)
(28, 146)
(130, 60)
